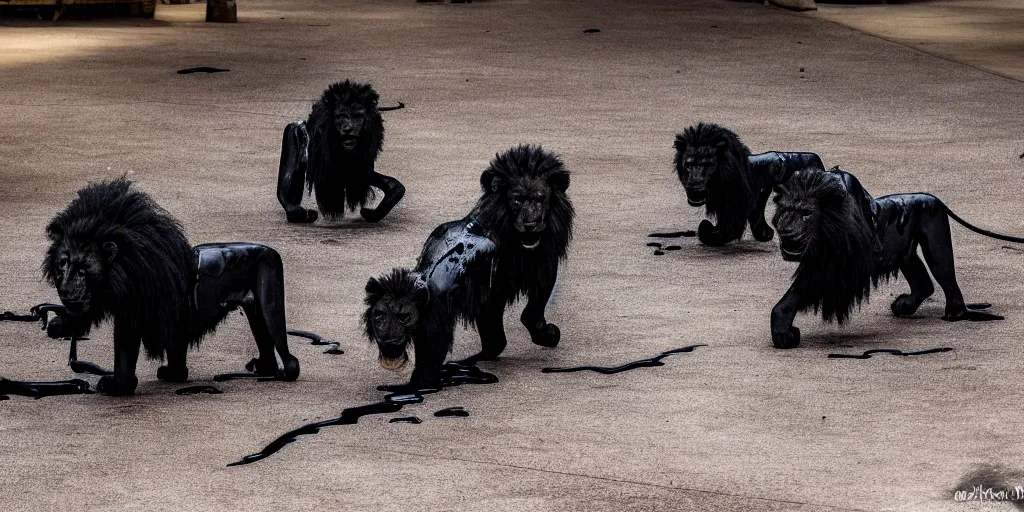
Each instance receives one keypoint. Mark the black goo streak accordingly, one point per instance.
(41, 389)
(406, 419)
(451, 375)
(674, 234)
(319, 340)
(891, 351)
(201, 69)
(459, 412)
(643, 363)
(195, 390)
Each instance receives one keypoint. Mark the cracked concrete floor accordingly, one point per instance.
(735, 425)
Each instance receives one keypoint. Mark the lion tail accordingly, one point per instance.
(980, 231)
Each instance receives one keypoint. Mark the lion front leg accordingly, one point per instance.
(784, 334)
(393, 190)
(62, 327)
(127, 342)
(541, 331)
(725, 232)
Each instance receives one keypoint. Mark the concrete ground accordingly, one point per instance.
(987, 34)
(736, 425)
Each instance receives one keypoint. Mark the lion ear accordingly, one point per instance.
(374, 288)
(110, 251)
(680, 144)
(491, 182)
(559, 180)
(720, 146)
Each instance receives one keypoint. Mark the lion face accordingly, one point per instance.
(528, 201)
(349, 120)
(696, 165)
(393, 313)
(78, 271)
(796, 220)
(525, 188)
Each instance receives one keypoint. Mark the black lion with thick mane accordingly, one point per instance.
(847, 242)
(472, 269)
(719, 173)
(333, 153)
(115, 253)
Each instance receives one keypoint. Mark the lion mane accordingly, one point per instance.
(522, 163)
(146, 286)
(838, 268)
(336, 177)
(730, 193)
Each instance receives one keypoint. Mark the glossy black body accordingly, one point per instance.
(900, 224)
(226, 276)
(314, 157)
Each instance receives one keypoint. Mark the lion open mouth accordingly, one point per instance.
(791, 250)
(696, 197)
(349, 143)
(393, 364)
(530, 240)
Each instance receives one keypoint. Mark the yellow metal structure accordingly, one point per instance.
(143, 8)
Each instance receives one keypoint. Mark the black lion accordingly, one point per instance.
(116, 254)
(472, 269)
(333, 155)
(719, 173)
(847, 242)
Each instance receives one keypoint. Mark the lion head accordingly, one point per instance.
(821, 227)
(393, 306)
(347, 116)
(711, 159)
(346, 134)
(524, 197)
(114, 250)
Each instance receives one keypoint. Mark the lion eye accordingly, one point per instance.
(516, 201)
(81, 271)
(404, 317)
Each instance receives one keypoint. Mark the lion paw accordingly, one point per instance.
(60, 328)
(786, 339)
(905, 305)
(709, 235)
(548, 336)
(302, 216)
(374, 215)
(117, 385)
(171, 374)
(263, 368)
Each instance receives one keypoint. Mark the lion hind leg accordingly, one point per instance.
(921, 286)
(937, 247)
(266, 316)
(291, 176)
(393, 190)
(490, 325)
